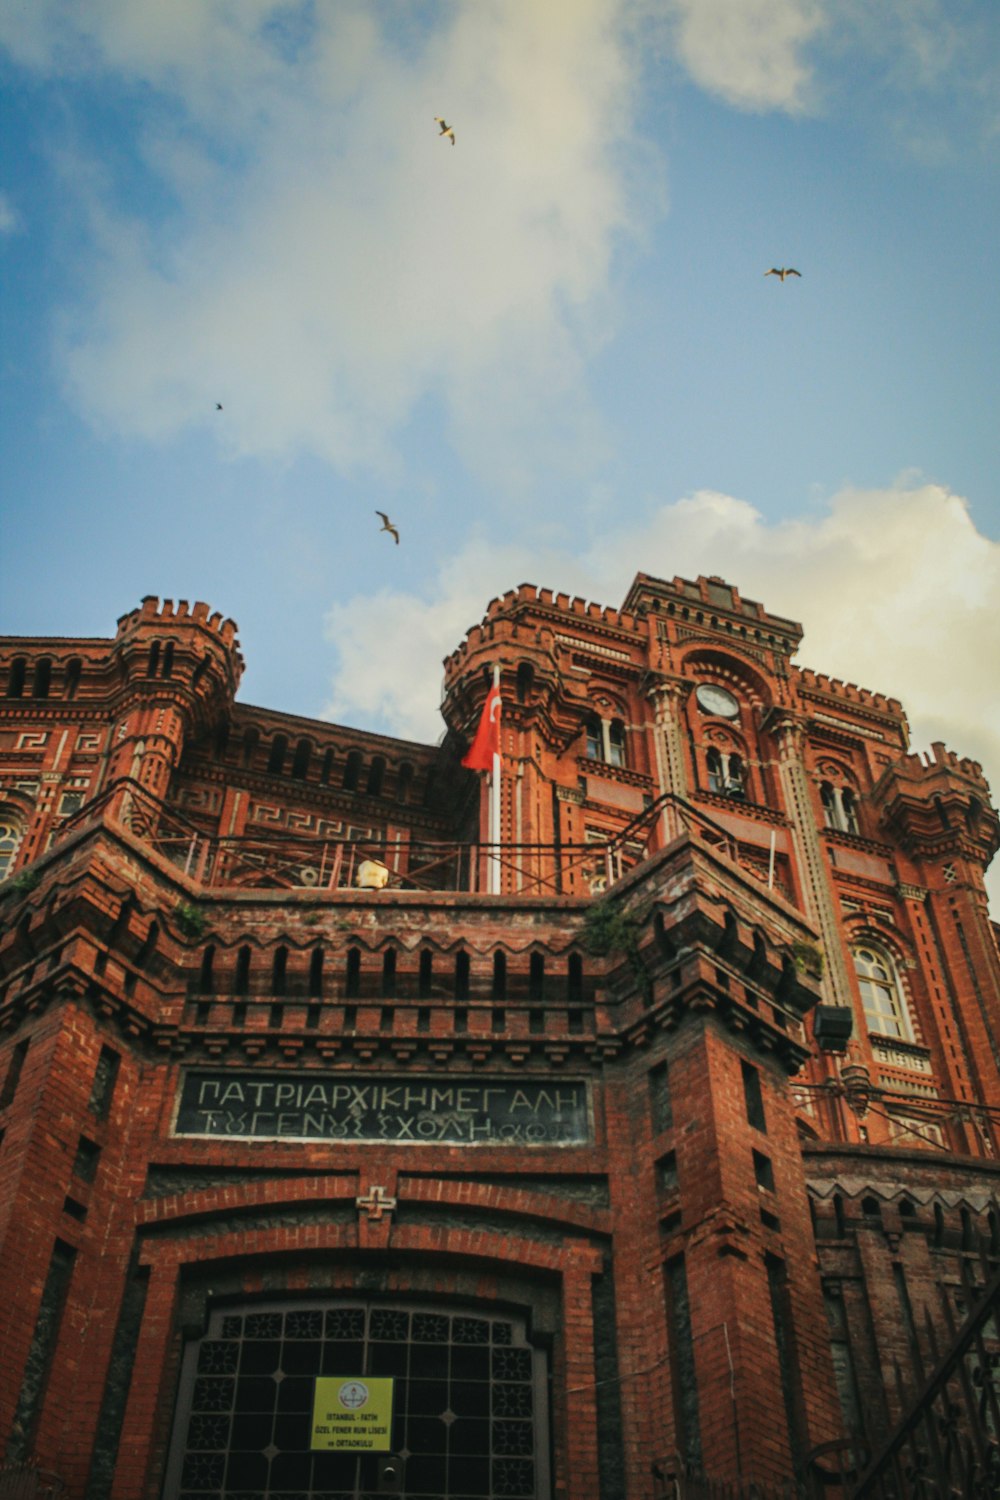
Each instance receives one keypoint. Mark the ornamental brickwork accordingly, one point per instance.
(657, 1163)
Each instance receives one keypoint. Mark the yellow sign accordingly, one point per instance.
(352, 1414)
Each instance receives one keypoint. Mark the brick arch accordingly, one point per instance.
(729, 670)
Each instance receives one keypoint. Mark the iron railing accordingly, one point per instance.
(279, 859)
(947, 1446)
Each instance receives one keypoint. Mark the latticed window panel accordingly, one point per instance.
(468, 1422)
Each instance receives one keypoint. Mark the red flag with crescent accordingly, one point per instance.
(486, 744)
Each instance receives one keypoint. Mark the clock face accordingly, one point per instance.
(717, 700)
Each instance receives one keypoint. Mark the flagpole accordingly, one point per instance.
(495, 805)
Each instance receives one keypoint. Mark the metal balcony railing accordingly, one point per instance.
(277, 859)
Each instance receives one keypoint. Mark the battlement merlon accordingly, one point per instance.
(153, 618)
(714, 603)
(152, 612)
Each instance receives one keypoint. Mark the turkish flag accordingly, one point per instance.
(486, 744)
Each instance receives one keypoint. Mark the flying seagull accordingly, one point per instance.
(218, 405)
(782, 271)
(388, 526)
(445, 129)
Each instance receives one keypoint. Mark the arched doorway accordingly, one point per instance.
(469, 1407)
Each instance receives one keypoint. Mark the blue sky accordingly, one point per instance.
(549, 353)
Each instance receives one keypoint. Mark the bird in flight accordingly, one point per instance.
(218, 405)
(445, 128)
(782, 271)
(388, 526)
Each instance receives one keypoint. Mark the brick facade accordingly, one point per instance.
(697, 1119)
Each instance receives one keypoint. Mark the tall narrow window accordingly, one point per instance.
(595, 739)
(716, 775)
(616, 743)
(152, 665)
(327, 769)
(168, 660)
(74, 667)
(352, 770)
(885, 1011)
(15, 679)
(425, 983)
(103, 1088)
(499, 975)
(43, 678)
(206, 982)
(251, 739)
(661, 1111)
(389, 973)
(376, 775)
(241, 979)
(850, 810)
(461, 975)
(300, 761)
(753, 1097)
(316, 974)
(682, 1366)
(352, 980)
(404, 782)
(279, 970)
(13, 1075)
(525, 679)
(536, 977)
(42, 1349)
(574, 979)
(276, 759)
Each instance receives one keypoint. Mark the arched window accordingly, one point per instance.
(376, 774)
(404, 782)
(327, 768)
(839, 807)
(352, 770)
(881, 995)
(525, 679)
(300, 762)
(276, 759)
(43, 678)
(606, 740)
(15, 679)
(11, 833)
(168, 660)
(850, 810)
(154, 659)
(251, 739)
(726, 773)
(74, 668)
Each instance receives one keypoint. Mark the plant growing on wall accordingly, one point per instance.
(807, 958)
(608, 928)
(25, 881)
(190, 920)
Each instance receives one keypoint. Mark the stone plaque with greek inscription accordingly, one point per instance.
(239, 1104)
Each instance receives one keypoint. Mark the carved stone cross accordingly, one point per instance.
(376, 1203)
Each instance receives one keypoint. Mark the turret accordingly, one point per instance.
(179, 668)
(938, 806)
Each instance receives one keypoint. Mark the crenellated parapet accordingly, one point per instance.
(818, 683)
(938, 804)
(540, 639)
(186, 654)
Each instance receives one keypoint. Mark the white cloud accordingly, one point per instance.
(328, 262)
(749, 52)
(895, 587)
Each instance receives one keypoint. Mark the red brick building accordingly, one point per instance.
(664, 1154)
